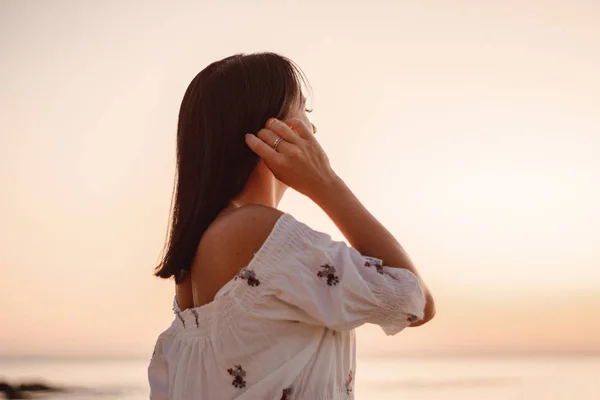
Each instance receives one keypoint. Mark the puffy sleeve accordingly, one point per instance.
(158, 375)
(158, 370)
(308, 277)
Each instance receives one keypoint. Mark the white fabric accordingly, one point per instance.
(284, 327)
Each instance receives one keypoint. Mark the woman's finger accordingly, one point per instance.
(272, 139)
(263, 150)
(283, 130)
(267, 136)
(300, 128)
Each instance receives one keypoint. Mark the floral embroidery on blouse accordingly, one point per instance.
(348, 384)
(238, 374)
(329, 272)
(287, 393)
(249, 276)
(373, 262)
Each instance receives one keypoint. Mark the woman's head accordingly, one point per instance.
(226, 100)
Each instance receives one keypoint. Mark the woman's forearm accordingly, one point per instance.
(366, 234)
(362, 230)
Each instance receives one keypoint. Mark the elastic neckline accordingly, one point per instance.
(274, 250)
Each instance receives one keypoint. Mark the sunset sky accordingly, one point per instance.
(472, 131)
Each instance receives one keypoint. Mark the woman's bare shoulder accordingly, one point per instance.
(250, 222)
(235, 236)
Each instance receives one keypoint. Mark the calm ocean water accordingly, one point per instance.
(381, 379)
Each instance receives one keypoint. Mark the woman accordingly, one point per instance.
(265, 306)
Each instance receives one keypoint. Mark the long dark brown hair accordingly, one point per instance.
(226, 100)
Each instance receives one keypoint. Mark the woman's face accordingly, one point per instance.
(300, 112)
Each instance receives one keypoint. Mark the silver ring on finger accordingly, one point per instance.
(277, 142)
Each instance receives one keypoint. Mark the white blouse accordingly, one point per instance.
(283, 328)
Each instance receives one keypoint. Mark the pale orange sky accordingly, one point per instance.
(472, 131)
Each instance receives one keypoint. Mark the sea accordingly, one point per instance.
(410, 378)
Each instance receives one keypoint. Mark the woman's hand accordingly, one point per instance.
(299, 160)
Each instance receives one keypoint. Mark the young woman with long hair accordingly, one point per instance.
(265, 306)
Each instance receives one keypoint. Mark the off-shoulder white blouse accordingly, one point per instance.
(283, 328)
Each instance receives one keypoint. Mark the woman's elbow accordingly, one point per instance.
(428, 312)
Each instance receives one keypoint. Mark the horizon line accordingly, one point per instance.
(440, 355)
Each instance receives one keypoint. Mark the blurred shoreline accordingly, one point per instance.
(466, 377)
